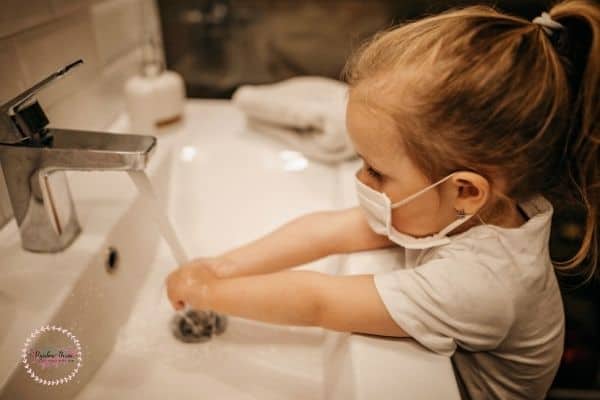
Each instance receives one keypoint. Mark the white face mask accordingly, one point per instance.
(378, 207)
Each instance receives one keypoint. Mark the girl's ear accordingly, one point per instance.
(472, 191)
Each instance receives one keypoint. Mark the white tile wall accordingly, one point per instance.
(19, 15)
(12, 78)
(118, 27)
(5, 208)
(37, 37)
(9, 67)
(46, 48)
(62, 7)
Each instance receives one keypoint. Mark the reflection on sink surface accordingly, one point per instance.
(224, 186)
(227, 187)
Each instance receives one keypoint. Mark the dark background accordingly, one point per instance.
(217, 45)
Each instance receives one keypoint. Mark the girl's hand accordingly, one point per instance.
(189, 283)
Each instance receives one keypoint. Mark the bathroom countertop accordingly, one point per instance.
(34, 285)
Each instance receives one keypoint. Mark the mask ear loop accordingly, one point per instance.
(461, 214)
(481, 219)
(412, 196)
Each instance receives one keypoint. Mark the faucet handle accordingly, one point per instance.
(10, 110)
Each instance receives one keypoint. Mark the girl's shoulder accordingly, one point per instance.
(519, 257)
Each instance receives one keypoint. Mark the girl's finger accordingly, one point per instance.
(173, 294)
(176, 302)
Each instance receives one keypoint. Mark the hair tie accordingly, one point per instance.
(547, 23)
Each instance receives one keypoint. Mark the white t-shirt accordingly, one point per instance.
(489, 299)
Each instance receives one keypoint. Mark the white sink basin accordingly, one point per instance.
(224, 186)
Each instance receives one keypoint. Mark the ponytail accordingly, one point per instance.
(579, 50)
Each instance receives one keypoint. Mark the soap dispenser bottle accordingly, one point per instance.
(155, 96)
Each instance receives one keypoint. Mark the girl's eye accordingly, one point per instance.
(373, 173)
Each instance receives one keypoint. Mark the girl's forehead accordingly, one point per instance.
(372, 130)
(369, 105)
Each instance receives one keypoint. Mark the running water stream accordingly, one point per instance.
(159, 213)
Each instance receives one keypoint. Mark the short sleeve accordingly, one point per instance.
(446, 302)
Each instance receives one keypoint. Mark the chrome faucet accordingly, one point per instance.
(34, 159)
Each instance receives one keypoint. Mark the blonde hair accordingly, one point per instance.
(475, 89)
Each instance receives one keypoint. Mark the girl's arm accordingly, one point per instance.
(347, 303)
(304, 239)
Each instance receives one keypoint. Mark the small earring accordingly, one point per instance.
(460, 213)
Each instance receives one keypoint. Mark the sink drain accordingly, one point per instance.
(192, 326)
(112, 260)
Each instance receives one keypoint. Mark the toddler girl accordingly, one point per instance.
(470, 124)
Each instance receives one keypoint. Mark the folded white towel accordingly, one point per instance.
(308, 113)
